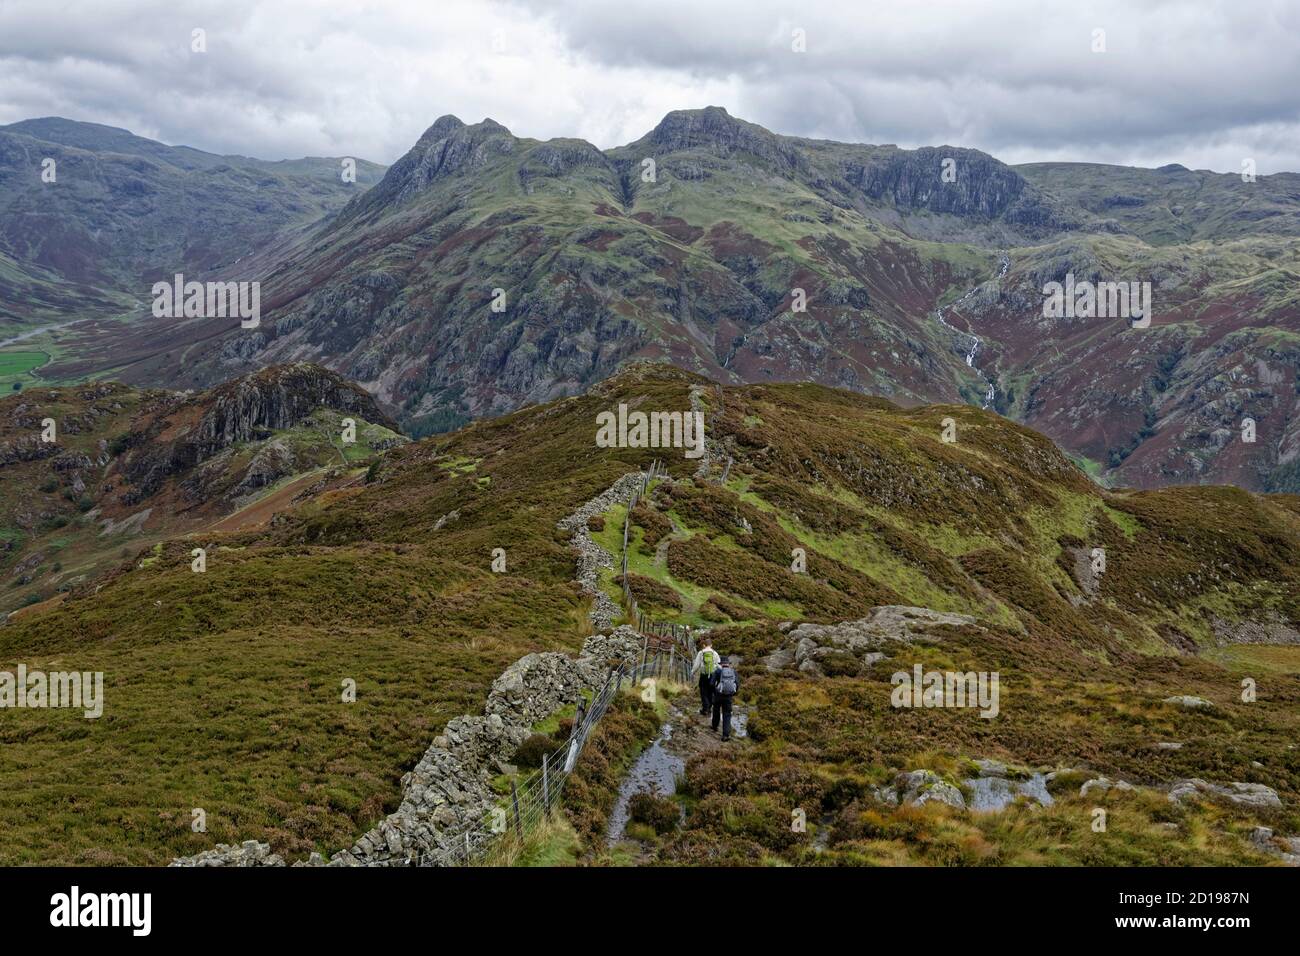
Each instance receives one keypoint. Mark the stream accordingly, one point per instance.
(1004, 263)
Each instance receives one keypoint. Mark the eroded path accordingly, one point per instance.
(686, 733)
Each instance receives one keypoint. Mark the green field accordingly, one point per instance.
(17, 367)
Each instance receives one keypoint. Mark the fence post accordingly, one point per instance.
(579, 716)
(546, 784)
(514, 800)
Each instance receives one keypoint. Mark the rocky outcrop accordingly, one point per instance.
(1286, 848)
(714, 130)
(27, 448)
(447, 795)
(813, 647)
(239, 411)
(1088, 580)
(1273, 629)
(276, 398)
(1104, 785)
(447, 148)
(1244, 794)
(1188, 702)
(919, 787)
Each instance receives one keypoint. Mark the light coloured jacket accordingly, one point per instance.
(698, 666)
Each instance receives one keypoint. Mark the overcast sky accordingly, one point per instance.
(1199, 82)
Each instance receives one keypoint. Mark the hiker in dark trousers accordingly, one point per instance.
(725, 684)
(706, 662)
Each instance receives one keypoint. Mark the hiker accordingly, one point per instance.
(724, 685)
(706, 662)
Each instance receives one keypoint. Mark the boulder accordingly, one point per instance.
(1243, 794)
(1187, 702)
(1103, 785)
(919, 787)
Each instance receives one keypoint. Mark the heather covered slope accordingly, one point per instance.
(387, 581)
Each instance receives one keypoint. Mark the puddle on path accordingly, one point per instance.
(655, 771)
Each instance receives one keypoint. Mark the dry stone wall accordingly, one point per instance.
(447, 795)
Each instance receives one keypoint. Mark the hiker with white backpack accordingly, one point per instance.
(725, 684)
(706, 662)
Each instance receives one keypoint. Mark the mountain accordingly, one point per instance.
(223, 689)
(484, 271)
(129, 467)
(123, 211)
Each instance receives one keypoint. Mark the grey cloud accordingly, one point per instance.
(1202, 82)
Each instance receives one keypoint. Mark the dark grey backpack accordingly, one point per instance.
(726, 681)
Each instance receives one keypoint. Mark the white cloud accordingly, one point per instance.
(1204, 82)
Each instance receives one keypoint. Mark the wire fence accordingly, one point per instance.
(532, 799)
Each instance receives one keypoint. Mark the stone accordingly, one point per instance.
(1105, 784)
(1262, 837)
(920, 787)
(1187, 702)
(886, 795)
(1243, 794)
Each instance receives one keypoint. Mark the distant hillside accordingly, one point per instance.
(124, 211)
(130, 467)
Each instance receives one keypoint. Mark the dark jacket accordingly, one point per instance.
(716, 677)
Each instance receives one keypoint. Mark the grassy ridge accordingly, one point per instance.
(224, 688)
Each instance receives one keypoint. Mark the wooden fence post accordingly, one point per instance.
(546, 784)
(514, 799)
